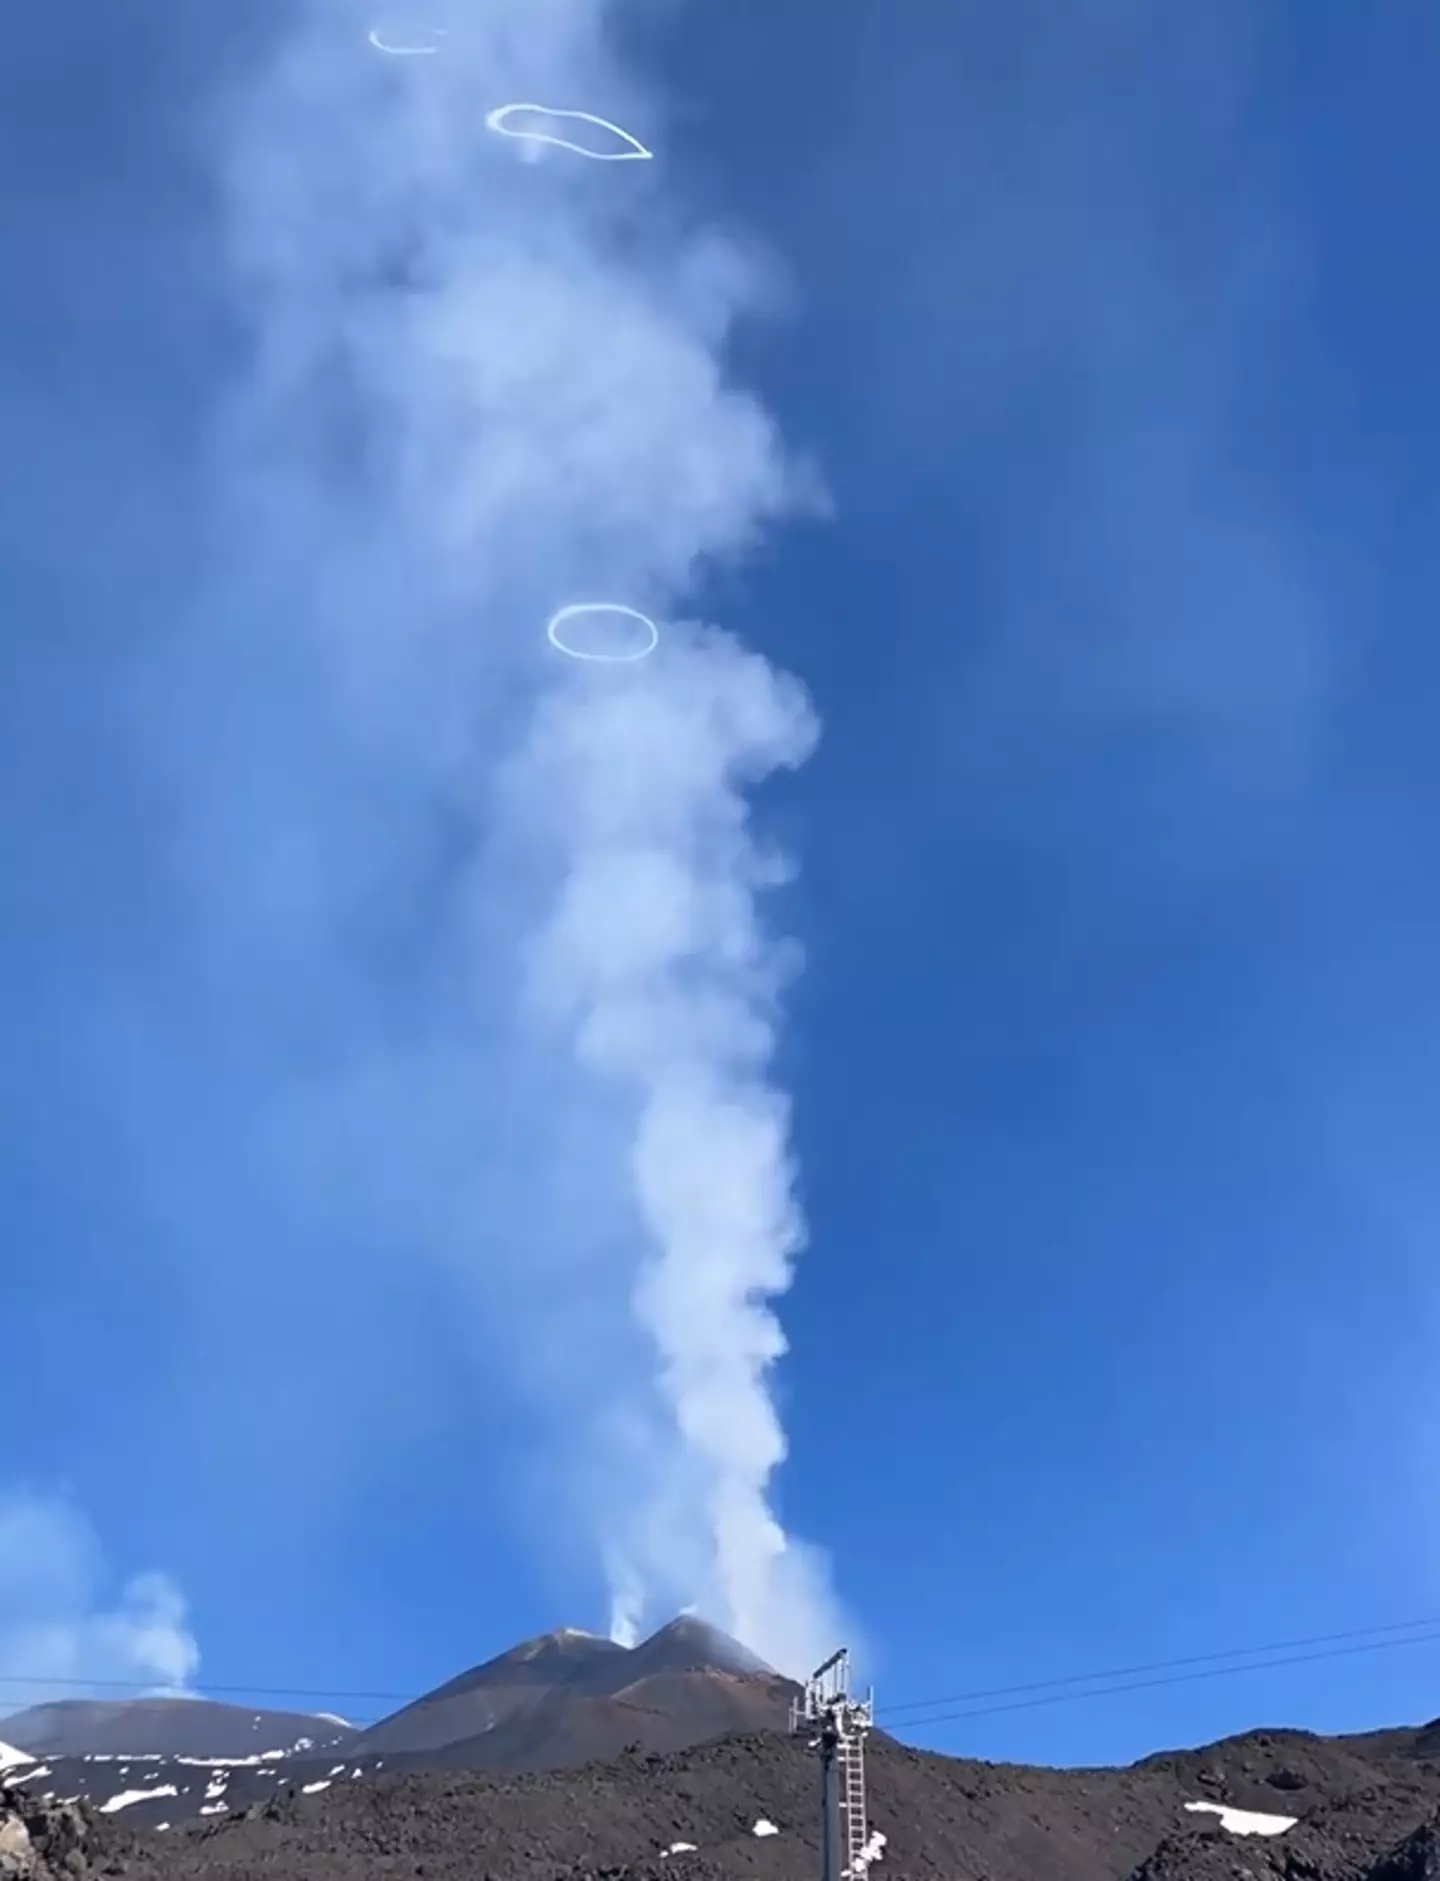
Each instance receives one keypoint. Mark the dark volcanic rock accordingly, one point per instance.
(688, 1644)
(168, 1727)
(1347, 1840)
(569, 1698)
(559, 1701)
(945, 1819)
(1207, 1854)
(47, 1841)
(619, 1786)
(494, 1694)
(1417, 1858)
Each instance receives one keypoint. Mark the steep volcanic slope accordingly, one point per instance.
(687, 1644)
(558, 1701)
(1277, 1805)
(569, 1698)
(154, 1790)
(709, 1683)
(210, 1758)
(945, 1820)
(170, 1727)
(489, 1695)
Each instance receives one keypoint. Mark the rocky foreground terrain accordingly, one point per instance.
(568, 1758)
(1363, 1809)
(560, 1701)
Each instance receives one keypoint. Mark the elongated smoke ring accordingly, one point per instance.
(404, 52)
(576, 608)
(495, 121)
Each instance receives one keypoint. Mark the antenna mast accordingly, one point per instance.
(837, 1724)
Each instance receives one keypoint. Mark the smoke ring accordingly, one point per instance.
(494, 120)
(404, 52)
(576, 608)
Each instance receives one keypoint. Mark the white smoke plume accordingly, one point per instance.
(484, 388)
(60, 1636)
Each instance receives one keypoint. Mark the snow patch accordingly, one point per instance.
(679, 1848)
(765, 1827)
(214, 1809)
(873, 1850)
(216, 1764)
(1245, 1821)
(310, 1789)
(29, 1776)
(9, 1757)
(126, 1797)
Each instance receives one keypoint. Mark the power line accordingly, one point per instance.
(1160, 1665)
(1022, 1697)
(1178, 1678)
(247, 1691)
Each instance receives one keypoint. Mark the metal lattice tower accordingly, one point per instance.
(836, 1724)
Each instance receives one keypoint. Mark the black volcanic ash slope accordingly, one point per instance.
(502, 1689)
(1366, 1815)
(1367, 1806)
(165, 1727)
(162, 1759)
(569, 1698)
(556, 1702)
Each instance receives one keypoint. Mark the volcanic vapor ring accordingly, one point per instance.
(576, 608)
(733, 1189)
(637, 152)
(404, 52)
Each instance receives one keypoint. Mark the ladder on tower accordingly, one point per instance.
(840, 1723)
(856, 1830)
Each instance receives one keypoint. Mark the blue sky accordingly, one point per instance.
(1112, 1057)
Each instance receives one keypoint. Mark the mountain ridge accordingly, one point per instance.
(109, 1727)
(1359, 1808)
(569, 1697)
(557, 1700)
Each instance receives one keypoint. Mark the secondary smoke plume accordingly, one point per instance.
(484, 388)
(58, 1631)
